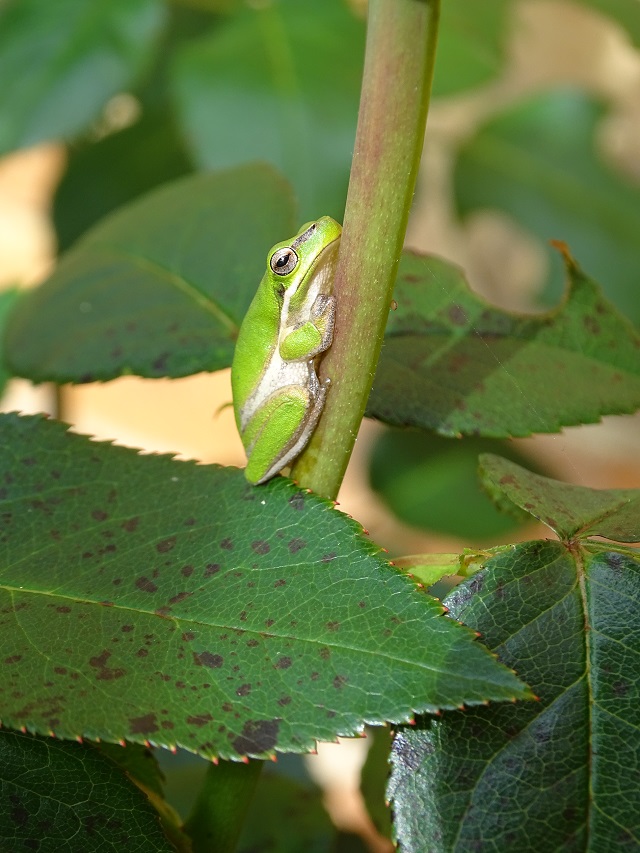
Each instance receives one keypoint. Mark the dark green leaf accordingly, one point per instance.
(286, 816)
(537, 162)
(373, 780)
(560, 774)
(158, 288)
(471, 41)
(138, 762)
(180, 605)
(7, 301)
(60, 62)
(431, 482)
(454, 364)
(57, 796)
(570, 511)
(117, 169)
(280, 82)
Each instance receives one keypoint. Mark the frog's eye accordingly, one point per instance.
(283, 261)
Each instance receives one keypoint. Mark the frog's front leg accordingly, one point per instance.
(315, 335)
(280, 429)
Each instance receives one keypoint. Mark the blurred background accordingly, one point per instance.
(523, 89)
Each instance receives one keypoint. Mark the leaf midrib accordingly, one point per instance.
(202, 299)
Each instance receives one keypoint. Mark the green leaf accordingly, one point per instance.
(537, 162)
(279, 82)
(158, 288)
(624, 12)
(454, 364)
(373, 780)
(8, 299)
(562, 773)
(428, 569)
(57, 796)
(286, 816)
(139, 763)
(180, 605)
(570, 511)
(118, 168)
(60, 62)
(471, 42)
(431, 483)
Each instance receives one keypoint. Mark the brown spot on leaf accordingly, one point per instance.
(166, 545)
(208, 659)
(227, 544)
(296, 545)
(283, 663)
(333, 626)
(339, 681)
(280, 582)
(13, 659)
(186, 571)
(257, 736)
(146, 585)
(99, 515)
(199, 720)
(144, 725)
(243, 690)
(261, 547)
(180, 597)
(211, 569)
(63, 609)
(297, 501)
(105, 673)
(131, 524)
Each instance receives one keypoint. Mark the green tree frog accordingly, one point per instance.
(277, 396)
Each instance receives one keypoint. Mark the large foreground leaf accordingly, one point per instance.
(60, 62)
(537, 161)
(149, 599)
(562, 773)
(454, 364)
(158, 288)
(57, 796)
(279, 82)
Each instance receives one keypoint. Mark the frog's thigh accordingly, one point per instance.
(271, 432)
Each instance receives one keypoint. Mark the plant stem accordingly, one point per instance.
(218, 815)
(400, 53)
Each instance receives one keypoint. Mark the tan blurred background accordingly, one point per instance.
(551, 42)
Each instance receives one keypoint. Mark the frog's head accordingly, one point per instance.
(293, 264)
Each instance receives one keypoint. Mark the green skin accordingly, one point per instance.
(277, 397)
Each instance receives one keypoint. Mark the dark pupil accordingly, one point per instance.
(283, 261)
